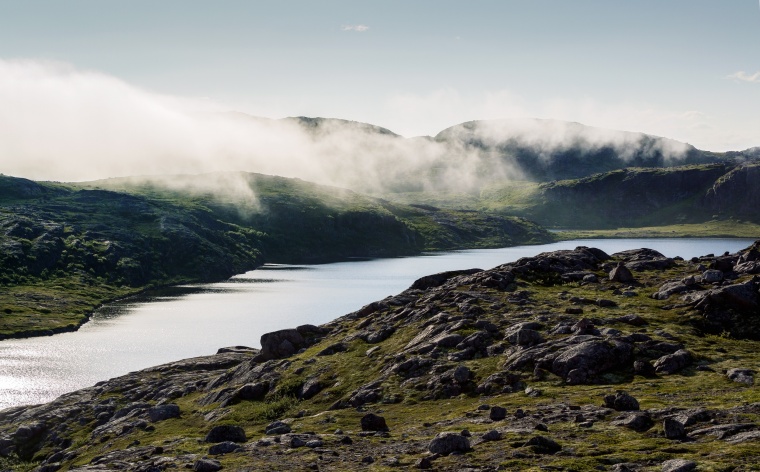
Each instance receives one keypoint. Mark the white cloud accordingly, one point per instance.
(356, 28)
(745, 77)
(428, 113)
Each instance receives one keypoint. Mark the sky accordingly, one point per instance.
(684, 69)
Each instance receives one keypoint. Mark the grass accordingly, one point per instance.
(709, 229)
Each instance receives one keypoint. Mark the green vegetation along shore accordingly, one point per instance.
(570, 360)
(67, 248)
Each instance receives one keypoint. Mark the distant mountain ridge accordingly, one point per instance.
(476, 153)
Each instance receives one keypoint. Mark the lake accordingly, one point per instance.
(196, 320)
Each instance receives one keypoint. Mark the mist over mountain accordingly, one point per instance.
(470, 155)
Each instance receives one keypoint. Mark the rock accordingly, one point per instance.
(207, 465)
(226, 433)
(447, 442)
(479, 340)
(644, 368)
(497, 413)
(372, 422)
(624, 467)
(583, 326)
(286, 342)
(49, 467)
(621, 401)
(670, 288)
(604, 303)
(524, 337)
(366, 394)
(377, 335)
(744, 376)
(423, 463)
(279, 344)
(292, 441)
(447, 340)
(462, 374)
(223, 448)
(678, 465)
(632, 319)
(314, 443)
(436, 280)
(500, 382)
(621, 274)
(672, 363)
(593, 357)
(277, 427)
(312, 387)
(332, 349)
(711, 276)
(163, 412)
(753, 436)
(492, 435)
(7, 447)
(673, 429)
(252, 391)
(638, 422)
(371, 351)
(543, 445)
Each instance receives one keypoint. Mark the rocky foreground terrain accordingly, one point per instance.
(571, 360)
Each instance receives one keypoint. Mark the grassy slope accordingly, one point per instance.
(667, 202)
(67, 248)
(414, 420)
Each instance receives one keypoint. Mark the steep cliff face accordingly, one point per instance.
(737, 193)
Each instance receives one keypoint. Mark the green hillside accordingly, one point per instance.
(69, 247)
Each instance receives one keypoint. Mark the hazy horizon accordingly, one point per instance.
(91, 90)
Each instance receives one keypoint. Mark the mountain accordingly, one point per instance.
(569, 360)
(544, 150)
(66, 248)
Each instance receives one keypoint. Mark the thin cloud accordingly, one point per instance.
(745, 77)
(356, 28)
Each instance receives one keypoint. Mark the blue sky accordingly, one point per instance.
(685, 69)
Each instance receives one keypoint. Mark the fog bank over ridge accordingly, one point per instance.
(60, 123)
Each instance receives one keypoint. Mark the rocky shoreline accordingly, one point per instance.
(570, 360)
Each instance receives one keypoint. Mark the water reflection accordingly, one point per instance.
(192, 320)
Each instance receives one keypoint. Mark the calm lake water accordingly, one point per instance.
(196, 320)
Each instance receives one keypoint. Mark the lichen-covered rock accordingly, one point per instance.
(593, 357)
(745, 376)
(672, 363)
(621, 401)
(543, 445)
(163, 412)
(447, 442)
(638, 422)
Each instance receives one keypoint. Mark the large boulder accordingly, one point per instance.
(621, 274)
(591, 358)
(372, 422)
(226, 433)
(163, 412)
(447, 442)
(286, 342)
(672, 363)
